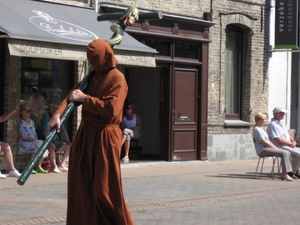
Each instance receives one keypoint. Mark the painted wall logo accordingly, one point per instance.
(61, 28)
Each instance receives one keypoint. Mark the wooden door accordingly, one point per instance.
(184, 114)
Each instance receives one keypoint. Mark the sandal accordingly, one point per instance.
(286, 177)
(41, 170)
(125, 159)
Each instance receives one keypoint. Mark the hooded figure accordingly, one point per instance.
(95, 193)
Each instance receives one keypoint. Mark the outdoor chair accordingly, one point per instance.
(135, 148)
(274, 160)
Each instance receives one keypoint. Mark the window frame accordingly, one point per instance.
(236, 114)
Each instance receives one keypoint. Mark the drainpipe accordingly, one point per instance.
(271, 46)
(96, 5)
(211, 9)
(208, 15)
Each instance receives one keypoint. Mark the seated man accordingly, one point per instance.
(131, 126)
(280, 137)
(65, 148)
(5, 148)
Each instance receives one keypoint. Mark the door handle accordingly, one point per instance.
(184, 118)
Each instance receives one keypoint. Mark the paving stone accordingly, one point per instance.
(166, 193)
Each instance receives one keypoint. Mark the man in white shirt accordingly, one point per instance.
(280, 137)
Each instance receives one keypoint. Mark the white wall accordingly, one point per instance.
(279, 75)
(280, 83)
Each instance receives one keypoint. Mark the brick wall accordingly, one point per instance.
(247, 15)
(12, 90)
(189, 8)
(235, 143)
(253, 16)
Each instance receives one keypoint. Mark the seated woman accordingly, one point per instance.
(65, 148)
(264, 147)
(131, 126)
(29, 142)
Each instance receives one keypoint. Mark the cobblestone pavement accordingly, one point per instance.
(164, 193)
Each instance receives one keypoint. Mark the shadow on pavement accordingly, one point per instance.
(247, 175)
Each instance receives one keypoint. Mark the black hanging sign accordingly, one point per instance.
(286, 24)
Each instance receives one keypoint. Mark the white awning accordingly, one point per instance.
(56, 31)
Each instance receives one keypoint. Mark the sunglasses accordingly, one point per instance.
(128, 108)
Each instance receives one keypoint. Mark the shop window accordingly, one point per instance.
(162, 46)
(187, 50)
(233, 72)
(52, 78)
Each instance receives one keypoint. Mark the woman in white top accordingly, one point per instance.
(131, 126)
(264, 147)
(29, 142)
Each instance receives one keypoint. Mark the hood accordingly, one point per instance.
(101, 56)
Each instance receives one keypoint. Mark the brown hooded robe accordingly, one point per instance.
(95, 193)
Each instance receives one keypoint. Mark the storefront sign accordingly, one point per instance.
(135, 58)
(46, 50)
(286, 24)
(61, 28)
(37, 49)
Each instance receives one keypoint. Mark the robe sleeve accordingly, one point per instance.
(111, 104)
(63, 105)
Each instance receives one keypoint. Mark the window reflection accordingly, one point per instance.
(186, 50)
(162, 46)
(45, 81)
